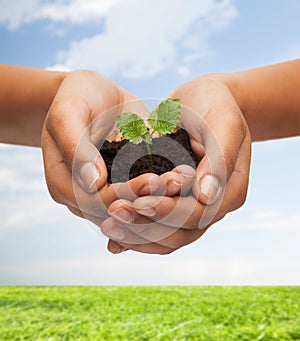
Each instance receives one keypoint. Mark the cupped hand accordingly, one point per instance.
(81, 115)
(220, 136)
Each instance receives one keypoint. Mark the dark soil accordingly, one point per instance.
(125, 160)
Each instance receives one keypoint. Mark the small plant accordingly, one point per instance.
(164, 120)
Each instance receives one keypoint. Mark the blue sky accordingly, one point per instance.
(150, 53)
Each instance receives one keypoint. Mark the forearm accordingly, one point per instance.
(25, 97)
(269, 98)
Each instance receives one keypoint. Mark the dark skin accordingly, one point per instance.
(241, 107)
(228, 112)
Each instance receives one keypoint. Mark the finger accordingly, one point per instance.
(68, 123)
(75, 211)
(151, 248)
(234, 197)
(214, 120)
(197, 147)
(237, 185)
(58, 176)
(168, 209)
(235, 190)
(65, 191)
(116, 231)
(184, 212)
(142, 185)
(188, 212)
(177, 240)
(60, 183)
(141, 232)
(222, 144)
(179, 181)
(115, 247)
(137, 228)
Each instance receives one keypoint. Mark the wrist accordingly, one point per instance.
(268, 98)
(233, 83)
(25, 97)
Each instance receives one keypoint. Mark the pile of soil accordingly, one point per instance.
(125, 160)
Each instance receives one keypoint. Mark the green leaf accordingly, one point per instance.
(166, 117)
(132, 127)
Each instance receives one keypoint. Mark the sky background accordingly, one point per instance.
(150, 47)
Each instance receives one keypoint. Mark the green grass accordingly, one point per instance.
(149, 313)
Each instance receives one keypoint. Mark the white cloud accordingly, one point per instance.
(21, 169)
(133, 269)
(4, 146)
(27, 211)
(183, 70)
(23, 192)
(77, 11)
(139, 39)
(14, 13)
(58, 67)
(294, 53)
(284, 55)
(142, 39)
(254, 219)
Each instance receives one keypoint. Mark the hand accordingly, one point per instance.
(220, 135)
(82, 113)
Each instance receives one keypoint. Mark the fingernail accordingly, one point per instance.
(187, 171)
(89, 174)
(152, 186)
(115, 233)
(173, 187)
(147, 211)
(123, 215)
(154, 183)
(209, 186)
(177, 183)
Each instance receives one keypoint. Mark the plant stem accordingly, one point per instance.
(149, 150)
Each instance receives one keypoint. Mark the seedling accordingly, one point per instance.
(164, 120)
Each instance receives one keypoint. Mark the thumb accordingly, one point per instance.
(211, 178)
(88, 168)
(68, 124)
(222, 142)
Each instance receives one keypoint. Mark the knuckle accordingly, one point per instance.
(177, 241)
(166, 251)
(57, 197)
(55, 194)
(75, 211)
(240, 199)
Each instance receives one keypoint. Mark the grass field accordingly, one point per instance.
(149, 313)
